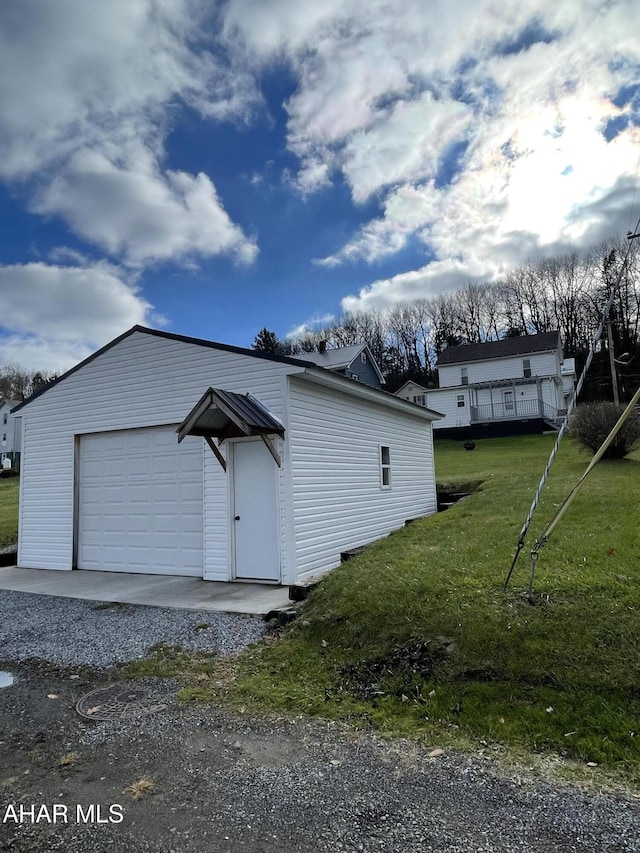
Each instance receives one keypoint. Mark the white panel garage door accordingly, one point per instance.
(140, 502)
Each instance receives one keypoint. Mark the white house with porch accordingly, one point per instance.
(506, 387)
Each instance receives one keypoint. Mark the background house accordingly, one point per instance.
(355, 362)
(506, 387)
(281, 465)
(9, 435)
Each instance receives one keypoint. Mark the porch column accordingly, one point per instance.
(539, 393)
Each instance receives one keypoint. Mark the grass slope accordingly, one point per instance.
(417, 637)
(9, 510)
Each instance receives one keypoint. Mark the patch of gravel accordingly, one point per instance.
(74, 632)
(305, 785)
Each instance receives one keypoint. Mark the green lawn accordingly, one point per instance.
(417, 637)
(9, 510)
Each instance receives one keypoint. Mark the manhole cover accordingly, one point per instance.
(123, 701)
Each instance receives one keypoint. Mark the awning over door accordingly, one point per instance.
(224, 414)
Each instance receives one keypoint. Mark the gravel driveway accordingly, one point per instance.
(217, 781)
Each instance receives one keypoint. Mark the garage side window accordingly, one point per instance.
(385, 467)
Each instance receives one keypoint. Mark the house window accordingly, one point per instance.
(385, 467)
(420, 400)
(460, 401)
(4, 418)
(4, 438)
(526, 367)
(464, 376)
(363, 358)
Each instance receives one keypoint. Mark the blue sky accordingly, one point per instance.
(213, 168)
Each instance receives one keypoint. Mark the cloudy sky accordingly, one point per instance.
(213, 168)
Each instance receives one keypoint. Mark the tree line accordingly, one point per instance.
(566, 293)
(17, 384)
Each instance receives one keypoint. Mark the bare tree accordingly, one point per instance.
(15, 382)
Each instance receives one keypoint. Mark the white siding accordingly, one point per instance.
(45, 532)
(9, 431)
(552, 393)
(335, 472)
(217, 566)
(445, 401)
(410, 390)
(495, 369)
(144, 380)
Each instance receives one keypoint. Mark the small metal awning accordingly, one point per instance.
(224, 414)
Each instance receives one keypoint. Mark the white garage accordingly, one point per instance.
(140, 503)
(167, 455)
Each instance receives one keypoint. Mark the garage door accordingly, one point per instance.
(140, 502)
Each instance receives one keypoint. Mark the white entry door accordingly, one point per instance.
(255, 513)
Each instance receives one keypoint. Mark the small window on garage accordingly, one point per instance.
(363, 358)
(385, 467)
(460, 401)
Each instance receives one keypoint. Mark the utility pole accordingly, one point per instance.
(612, 364)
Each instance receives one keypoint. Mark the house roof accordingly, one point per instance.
(339, 358)
(500, 349)
(225, 414)
(415, 385)
(169, 336)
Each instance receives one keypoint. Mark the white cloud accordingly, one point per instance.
(318, 322)
(312, 177)
(521, 92)
(405, 144)
(473, 127)
(137, 213)
(60, 314)
(407, 210)
(88, 91)
(34, 353)
(436, 277)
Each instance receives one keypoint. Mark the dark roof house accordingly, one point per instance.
(355, 362)
(506, 348)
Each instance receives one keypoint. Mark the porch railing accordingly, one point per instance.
(515, 409)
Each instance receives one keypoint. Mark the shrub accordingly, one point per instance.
(591, 423)
(8, 472)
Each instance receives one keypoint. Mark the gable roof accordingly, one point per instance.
(284, 359)
(226, 414)
(500, 349)
(311, 370)
(415, 385)
(339, 358)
